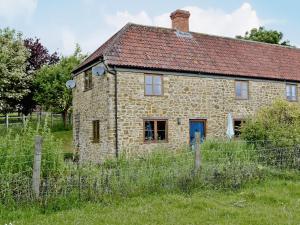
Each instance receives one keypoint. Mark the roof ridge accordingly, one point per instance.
(220, 36)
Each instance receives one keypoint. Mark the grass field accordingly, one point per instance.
(273, 202)
(66, 137)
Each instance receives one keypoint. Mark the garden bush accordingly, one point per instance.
(275, 132)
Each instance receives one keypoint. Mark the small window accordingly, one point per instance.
(241, 89)
(155, 130)
(153, 85)
(88, 80)
(237, 127)
(96, 131)
(291, 92)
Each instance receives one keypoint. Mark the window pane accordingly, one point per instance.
(161, 130)
(237, 127)
(149, 131)
(161, 125)
(245, 90)
(157, 90)
(293, 90)
(241, 89)
(161, 135)
(148, 90)
(148, 79)
(96, 131)
(238, 89)
(157, 80)
(288, 91)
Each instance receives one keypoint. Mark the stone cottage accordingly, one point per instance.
(160, 85)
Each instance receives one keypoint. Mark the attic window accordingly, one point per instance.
(183, 34)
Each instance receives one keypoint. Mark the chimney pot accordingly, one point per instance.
(180, 20)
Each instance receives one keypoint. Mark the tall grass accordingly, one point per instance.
(16, 160)
(225, 165)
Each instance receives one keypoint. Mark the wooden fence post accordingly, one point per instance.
(36, 175)
(6, 121)
(23, 119)
(51, 119)
(197, 153)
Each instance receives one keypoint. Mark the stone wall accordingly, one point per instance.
(185, 97)
(94, 104)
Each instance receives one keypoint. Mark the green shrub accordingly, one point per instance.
(275, 132)
(277, 124)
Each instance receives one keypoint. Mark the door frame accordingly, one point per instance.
(197, 120)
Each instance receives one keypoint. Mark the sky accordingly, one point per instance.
(60, 24)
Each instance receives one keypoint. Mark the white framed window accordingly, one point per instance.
(241, 89)
(153, 85)
(291, 92)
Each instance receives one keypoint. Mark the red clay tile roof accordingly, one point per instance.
(148, 47)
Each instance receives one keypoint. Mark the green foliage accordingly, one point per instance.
(50, 81)
(229, 164)
(274, 202)
(52, 92)
(14, 82)
(263, 35)
(16, 161)
(275, 132)
(223, 150)
(278, 124)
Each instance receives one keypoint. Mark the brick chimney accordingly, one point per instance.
(180, 20)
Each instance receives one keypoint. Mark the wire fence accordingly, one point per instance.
(13, 120)
(213, 165)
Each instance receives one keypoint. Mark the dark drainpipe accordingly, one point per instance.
(114, 72)
(116, 114)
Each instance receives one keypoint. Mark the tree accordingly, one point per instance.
(263, 35)
(14, 82)
(50, 81)
(39, 56)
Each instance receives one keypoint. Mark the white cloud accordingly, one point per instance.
(215, 21)
(68, 41)
(121, 18)
(211, 21)
(11, 9)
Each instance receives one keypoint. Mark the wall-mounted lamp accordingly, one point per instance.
(179, 121)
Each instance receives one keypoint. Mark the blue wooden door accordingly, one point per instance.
(196, 126)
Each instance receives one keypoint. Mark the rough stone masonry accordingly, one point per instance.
(185, 97)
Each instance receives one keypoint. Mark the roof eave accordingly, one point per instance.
(84, 67)
(237, 76)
